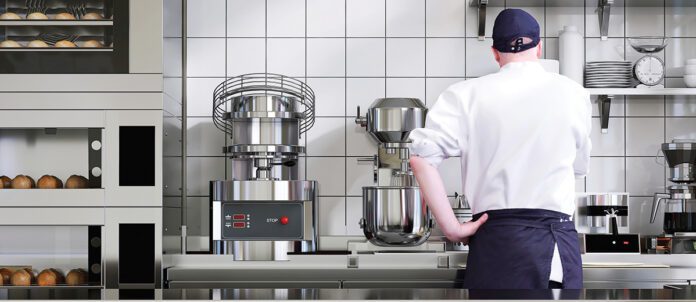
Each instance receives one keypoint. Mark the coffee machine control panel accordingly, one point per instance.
(262, 221)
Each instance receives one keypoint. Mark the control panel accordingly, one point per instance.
(262, 221)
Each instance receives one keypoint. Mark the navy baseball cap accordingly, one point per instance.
(515, 30)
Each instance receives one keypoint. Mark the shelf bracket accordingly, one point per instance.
(604, 103)
(603, 11)
(482, 4)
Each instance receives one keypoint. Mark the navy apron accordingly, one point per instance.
(513, 250)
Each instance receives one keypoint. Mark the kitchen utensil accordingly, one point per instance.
(571, 54)
(649, 70)
(463, 213)
(395, 216)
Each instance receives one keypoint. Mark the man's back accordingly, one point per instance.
(521, 132)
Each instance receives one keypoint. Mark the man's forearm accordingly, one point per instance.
(435, 195)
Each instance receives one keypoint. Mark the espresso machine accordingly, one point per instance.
(679, 203)
(602, 223)
(394, 215)
(264, 210)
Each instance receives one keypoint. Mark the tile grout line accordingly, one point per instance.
(345, 112)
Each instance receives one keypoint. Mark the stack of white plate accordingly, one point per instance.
(608, 74)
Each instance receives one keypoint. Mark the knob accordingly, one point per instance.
(284, 220)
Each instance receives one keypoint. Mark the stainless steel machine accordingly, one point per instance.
(679, 203)
(602, 221)
(264, 211)
(393, 211)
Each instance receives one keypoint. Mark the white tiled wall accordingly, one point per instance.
(353, 51)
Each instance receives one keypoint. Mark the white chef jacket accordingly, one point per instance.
(523, 135)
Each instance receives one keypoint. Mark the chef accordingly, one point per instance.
(523, 136)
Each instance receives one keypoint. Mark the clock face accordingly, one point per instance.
(649, 70)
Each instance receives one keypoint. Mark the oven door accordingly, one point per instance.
(73, 37)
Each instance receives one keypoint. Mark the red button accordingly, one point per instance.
(284, 220)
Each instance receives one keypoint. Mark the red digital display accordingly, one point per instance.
(239, 225)
(238, 216)
(626, 243)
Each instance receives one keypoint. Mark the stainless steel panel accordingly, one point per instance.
(84, 82)
(117, 195)
(116, 216)
(403, 284)
(52, 216)
(81, 101)
(52, 119)
(145, 43)
(263, 190)
(254, 284)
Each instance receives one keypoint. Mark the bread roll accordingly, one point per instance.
(92, 16)
(10, 16)
(65, 44)
(5, 275)
(22, 277)
(49, 182)
(65, 16)
(77, 182)
(5, 182)
(76, 277)
(37, 43)
(23, 182)
(50, 277)
(10, 44)
(37, 16)
(92, 44)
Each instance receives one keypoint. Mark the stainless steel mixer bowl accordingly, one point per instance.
(395, 216)
(390, 120)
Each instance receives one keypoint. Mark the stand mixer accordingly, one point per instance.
(679, 203)
(393, 212)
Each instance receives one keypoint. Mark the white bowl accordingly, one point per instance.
(691, 62)
(689, 69)
(690, 80)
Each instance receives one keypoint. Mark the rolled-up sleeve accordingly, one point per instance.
(584, 144)
(444, 130)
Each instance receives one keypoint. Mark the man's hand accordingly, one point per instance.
(433, 191)
(467, 230)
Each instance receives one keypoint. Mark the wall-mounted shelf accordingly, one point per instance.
(57, 23)
(605, 95)
(603, 8)
(642, 91)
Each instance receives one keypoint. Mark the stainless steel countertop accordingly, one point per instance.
(688, 293)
